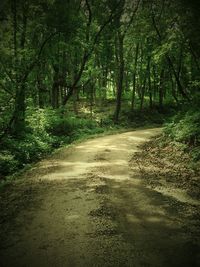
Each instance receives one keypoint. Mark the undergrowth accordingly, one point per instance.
(184, 130)
(46, 130)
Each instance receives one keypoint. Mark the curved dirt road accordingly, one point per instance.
(85, 207)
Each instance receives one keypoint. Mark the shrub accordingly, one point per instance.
(70, 126)
(185, 128)
(46, 129)
(28, 149)
(8, 164)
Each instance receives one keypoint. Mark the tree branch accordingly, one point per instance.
(132, 17)
(7, 72)
(5, 89)
(32, 65)
(87, 54)
(168, 58)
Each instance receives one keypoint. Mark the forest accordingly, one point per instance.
(99, 133)
(74, 68)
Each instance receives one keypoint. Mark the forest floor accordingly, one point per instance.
(91, 205)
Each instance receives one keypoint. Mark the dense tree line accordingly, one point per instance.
(53, 52)
(56, 54)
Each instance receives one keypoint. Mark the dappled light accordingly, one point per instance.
(91, 201)
(110, 158)
(99, 133)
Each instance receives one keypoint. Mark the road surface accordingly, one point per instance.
(85, 207)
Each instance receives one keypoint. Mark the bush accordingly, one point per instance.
(185, 129)
(144, 117)
(28, 149)
(195, 153)
(38, 121)
(8, 164)
(46, 129)
(70, 126)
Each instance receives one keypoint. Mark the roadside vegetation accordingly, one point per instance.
(172, 160)
(96, 67)
(49, 129)
(184, 131)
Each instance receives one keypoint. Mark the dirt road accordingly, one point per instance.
(85, 207)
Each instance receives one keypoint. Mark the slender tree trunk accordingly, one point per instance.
(24, 25)
(75, 106)
(18, 121)
(91, 97)
(179, 84)
(104, 84)
(180, 87)
(143, 89)
(14, 13)
(87, 53)
(195, 57)
(55, 89)
(42, 91)
(141, 74)
(120, 76)
(150, 89)
(134, 77)
(161, 90)
(154, 82)
(173, 89)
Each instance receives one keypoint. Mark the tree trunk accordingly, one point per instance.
(42, 91)
(150, 90)
(75, 106)
(104, 84)
(120, 77)
(14, 12)
(55, 89)
(18, 121)
(173, 89)
(161, 90)
(134, 77)
(179, 84)
(144, 84)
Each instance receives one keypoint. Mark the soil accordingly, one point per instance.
(90, 205)
(165, 166)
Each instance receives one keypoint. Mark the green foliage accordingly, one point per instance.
(46, 129)
(56, 50)
(27, 149)
(185, 129)
(72, 128)
(147, 116)
(8, 163)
